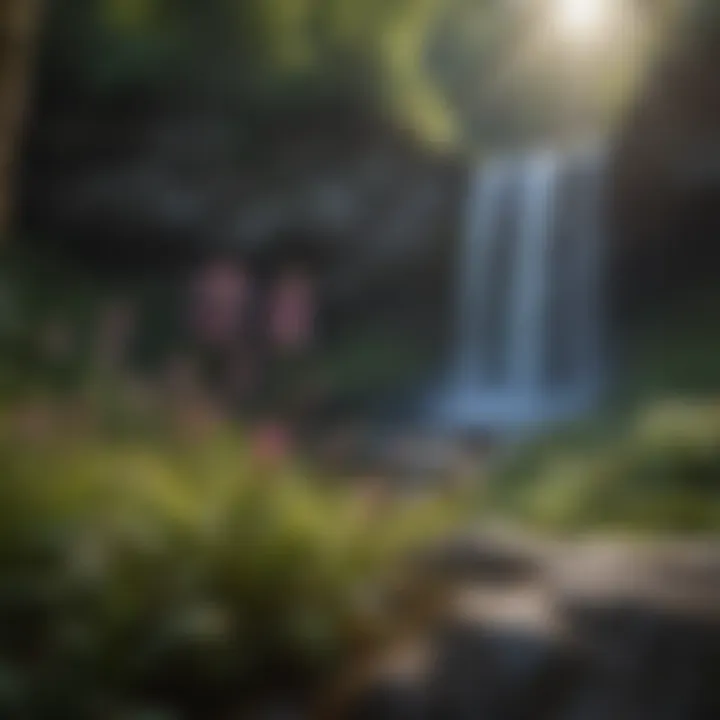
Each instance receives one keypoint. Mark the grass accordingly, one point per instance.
(649, 462)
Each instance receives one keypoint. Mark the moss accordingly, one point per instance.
(649, 461)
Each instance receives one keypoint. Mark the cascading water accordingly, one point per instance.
(528, 346)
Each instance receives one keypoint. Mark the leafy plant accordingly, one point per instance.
(146, 570)
(657, 472)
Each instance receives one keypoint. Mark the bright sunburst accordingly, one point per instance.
(581, 19)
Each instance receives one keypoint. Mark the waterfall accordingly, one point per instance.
(528, 344)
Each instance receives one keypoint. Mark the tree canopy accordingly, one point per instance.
(474, 71)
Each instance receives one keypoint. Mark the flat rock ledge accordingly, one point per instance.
(563, 630)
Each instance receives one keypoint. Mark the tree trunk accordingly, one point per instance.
(19, 24)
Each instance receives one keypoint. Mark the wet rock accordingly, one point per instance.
(521, 641)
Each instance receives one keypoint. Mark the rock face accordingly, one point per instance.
(137, 180)
(665, 181)
(595, 632)
(153, 182)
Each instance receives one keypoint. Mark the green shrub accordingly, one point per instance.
(143, 570)
(658, 472)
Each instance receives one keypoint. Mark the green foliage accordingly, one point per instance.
(657, 472)
(468, 71)
(154, 557)
(650, 460)
(678, 353)
(147, 570)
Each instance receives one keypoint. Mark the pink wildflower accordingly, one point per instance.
(220, 295)
(271, 443)
(292, 312)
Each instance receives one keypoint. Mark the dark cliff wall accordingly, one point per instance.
(135, 183)
(666, 182)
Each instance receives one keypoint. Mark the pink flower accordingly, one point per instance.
(271, 443)
(292, 312)
(220, 296)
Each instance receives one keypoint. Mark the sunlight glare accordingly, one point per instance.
(581, 18)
